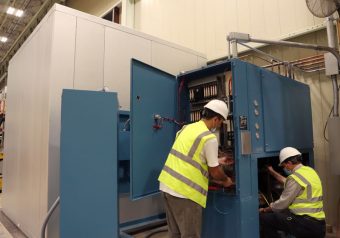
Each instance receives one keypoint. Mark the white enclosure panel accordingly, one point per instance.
(62, 77)
(120, 47)
(12, 147)
(66, 50)
(89, 55)
(27, 116)
(164, 57)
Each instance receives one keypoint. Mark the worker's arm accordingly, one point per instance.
(219, 176)
(276, 175)
(291, 191)
(210, 153)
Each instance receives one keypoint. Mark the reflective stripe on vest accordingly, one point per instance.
(184, 172)
(185, 180)
(189, 160)
(310, 201)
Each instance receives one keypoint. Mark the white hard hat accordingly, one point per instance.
(219, 107)
(288, 152)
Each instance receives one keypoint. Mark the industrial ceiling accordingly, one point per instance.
(18, 18)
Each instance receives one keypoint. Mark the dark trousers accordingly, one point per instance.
(299, 226)
(184, 217)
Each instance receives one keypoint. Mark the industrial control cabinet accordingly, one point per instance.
(267, 113)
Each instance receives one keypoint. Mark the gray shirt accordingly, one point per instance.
(291, 191)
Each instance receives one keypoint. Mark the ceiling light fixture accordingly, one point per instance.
(14, 11)
(3, 39)
(19, 13)
(11, 10)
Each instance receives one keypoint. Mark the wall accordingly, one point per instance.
(27, 124)
(322, 101)
(203, 25)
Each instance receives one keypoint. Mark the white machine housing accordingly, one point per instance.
(69, 49)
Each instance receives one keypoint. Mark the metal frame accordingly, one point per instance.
(235, 38)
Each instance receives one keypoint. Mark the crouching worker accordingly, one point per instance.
(299, 210)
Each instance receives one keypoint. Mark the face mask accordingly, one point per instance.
(213, 129)
(287, 172)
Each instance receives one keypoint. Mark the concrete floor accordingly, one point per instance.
(9, 230)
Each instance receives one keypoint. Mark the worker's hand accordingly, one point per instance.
(226, 160)
(270, 169)
(265, 209)
(228, 182)
(225, 183)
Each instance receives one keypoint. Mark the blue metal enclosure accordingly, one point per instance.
(268, 112)
(101, 149)
(152, 93)
(88, 165)
(124, 151)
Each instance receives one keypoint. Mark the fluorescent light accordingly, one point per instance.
(11, 10)
(14, 11)
(3, 39)
(19, 13)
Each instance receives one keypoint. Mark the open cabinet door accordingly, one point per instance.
(88, 164)
(153, 92)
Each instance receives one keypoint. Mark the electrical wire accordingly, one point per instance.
(44, 225)
(126, 124)
(173, 120)
(329, 115)
(324, 130)
(230, 86)
(180, 88)
(264, 197)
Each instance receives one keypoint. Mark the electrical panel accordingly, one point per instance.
(201, 90)
(267, 112)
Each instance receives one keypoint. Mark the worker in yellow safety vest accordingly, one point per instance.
(185, 175)
(299, 210)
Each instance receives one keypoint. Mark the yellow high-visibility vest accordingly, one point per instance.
(310, 202)
(184, 171)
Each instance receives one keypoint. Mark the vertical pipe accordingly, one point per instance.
(330, 32)
(331, 43)
(234, 49)
(229, 56)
